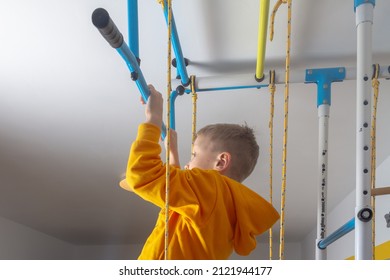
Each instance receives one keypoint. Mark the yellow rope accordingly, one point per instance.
(285, 122)
(271, 26)
(168, 135)
(194, 112)
(272, 89)
(375, 86)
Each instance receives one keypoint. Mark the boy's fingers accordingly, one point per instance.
(153, 91)
(151, 88)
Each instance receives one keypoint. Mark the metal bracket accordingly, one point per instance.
(365, 215)
(387, 218)
(324, 77)
(360, 2)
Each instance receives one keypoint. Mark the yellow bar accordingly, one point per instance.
(262, 38)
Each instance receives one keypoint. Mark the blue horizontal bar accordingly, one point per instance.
(340, 232)
(231, 88)
(226, 88)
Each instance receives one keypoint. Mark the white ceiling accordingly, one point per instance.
(69, 110)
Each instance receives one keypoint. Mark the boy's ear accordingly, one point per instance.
(223, 162)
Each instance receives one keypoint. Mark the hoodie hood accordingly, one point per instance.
(254, 216)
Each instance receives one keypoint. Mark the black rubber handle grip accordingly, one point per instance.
(101, 19)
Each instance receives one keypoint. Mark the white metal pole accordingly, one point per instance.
(323, 124)
(363, 212)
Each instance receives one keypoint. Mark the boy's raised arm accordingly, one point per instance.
(173, 149)
(153, 113)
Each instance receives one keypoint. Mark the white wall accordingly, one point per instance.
(18, 242)
(109, 252)
(345, 247)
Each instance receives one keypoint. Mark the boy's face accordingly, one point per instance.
(203, 155)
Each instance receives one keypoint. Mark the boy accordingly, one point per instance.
(210, 212)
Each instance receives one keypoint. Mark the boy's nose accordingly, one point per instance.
(187, 166)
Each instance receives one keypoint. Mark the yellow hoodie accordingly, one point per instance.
(210, 214)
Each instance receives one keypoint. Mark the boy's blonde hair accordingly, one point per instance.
(239, 141)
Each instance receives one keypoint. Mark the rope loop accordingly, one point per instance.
(375, 81)
(275, 9)
(271, 85)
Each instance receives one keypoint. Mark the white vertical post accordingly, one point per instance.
(323, 125)
(323, 78)
(364, 19)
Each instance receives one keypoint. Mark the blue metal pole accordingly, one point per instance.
(232, 88)
(137, 76)
(172, 115)
(340, 232)
(132, 7)
(101, 19)
(136, 73)
(180, 63)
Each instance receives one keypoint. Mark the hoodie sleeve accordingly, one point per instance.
(190, 193)
(255, 215)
